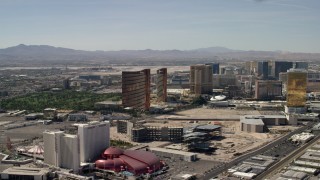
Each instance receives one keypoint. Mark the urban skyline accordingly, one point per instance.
(167, 90)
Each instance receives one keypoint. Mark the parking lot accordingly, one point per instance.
(177, 166)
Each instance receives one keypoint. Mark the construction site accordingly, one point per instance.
(179, 131)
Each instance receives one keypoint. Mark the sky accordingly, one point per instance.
(287, 25)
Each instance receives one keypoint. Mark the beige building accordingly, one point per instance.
(257, 123)
(224, 80)
(313, 84)
(251, 67)
(201, 79)
(252, 125)
(267, 89)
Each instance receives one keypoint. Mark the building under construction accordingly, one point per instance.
(198, 137)
(136, 89)
(140, 132)
(155, 133)
(124, 126)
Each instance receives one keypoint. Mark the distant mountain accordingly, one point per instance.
(37, 54)
(44, 53)
(35, 49)
(39, 50)
(216, 50)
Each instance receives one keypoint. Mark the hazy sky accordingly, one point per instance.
(289, 25)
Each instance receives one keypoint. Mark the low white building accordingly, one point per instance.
(186, 156)
(77, 117)
(24, 173)
(302, 137)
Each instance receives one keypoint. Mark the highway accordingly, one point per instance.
(261, 150)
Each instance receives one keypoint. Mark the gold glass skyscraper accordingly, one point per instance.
(296, 88)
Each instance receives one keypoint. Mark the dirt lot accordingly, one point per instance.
(233, 140)
(232, 143)
(118, 136)
(34, 131)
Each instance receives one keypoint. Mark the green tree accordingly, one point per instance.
(199, 100)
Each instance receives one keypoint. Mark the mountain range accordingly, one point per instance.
(38, 54)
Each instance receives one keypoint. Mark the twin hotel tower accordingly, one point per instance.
(136, 88)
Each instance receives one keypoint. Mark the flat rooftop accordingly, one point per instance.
(171, 151)
(264, 116)
(311, 156)
(316, 127)
(109, 102)
(252, 121)
(206, 127)
(25, 171)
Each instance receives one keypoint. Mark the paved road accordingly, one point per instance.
(279, 141)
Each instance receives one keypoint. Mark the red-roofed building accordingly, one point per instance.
(112, 152)
(135, 161)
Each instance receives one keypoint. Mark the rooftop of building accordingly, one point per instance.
(53, 131)
(262, 116)
(71, 135)
(254, 121)
(34, 114)
(295, 174)
(90, 124)
(156, 125)
(109, 102)
(194, 134)
(138, 161)
(50, 109)
(64, 111)
(206, 127)
(114, 151)
(77, 114)
(302, 136)
(184, 175)
(297, 70)
(26, 171)
(316, 127)
(172, 151)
